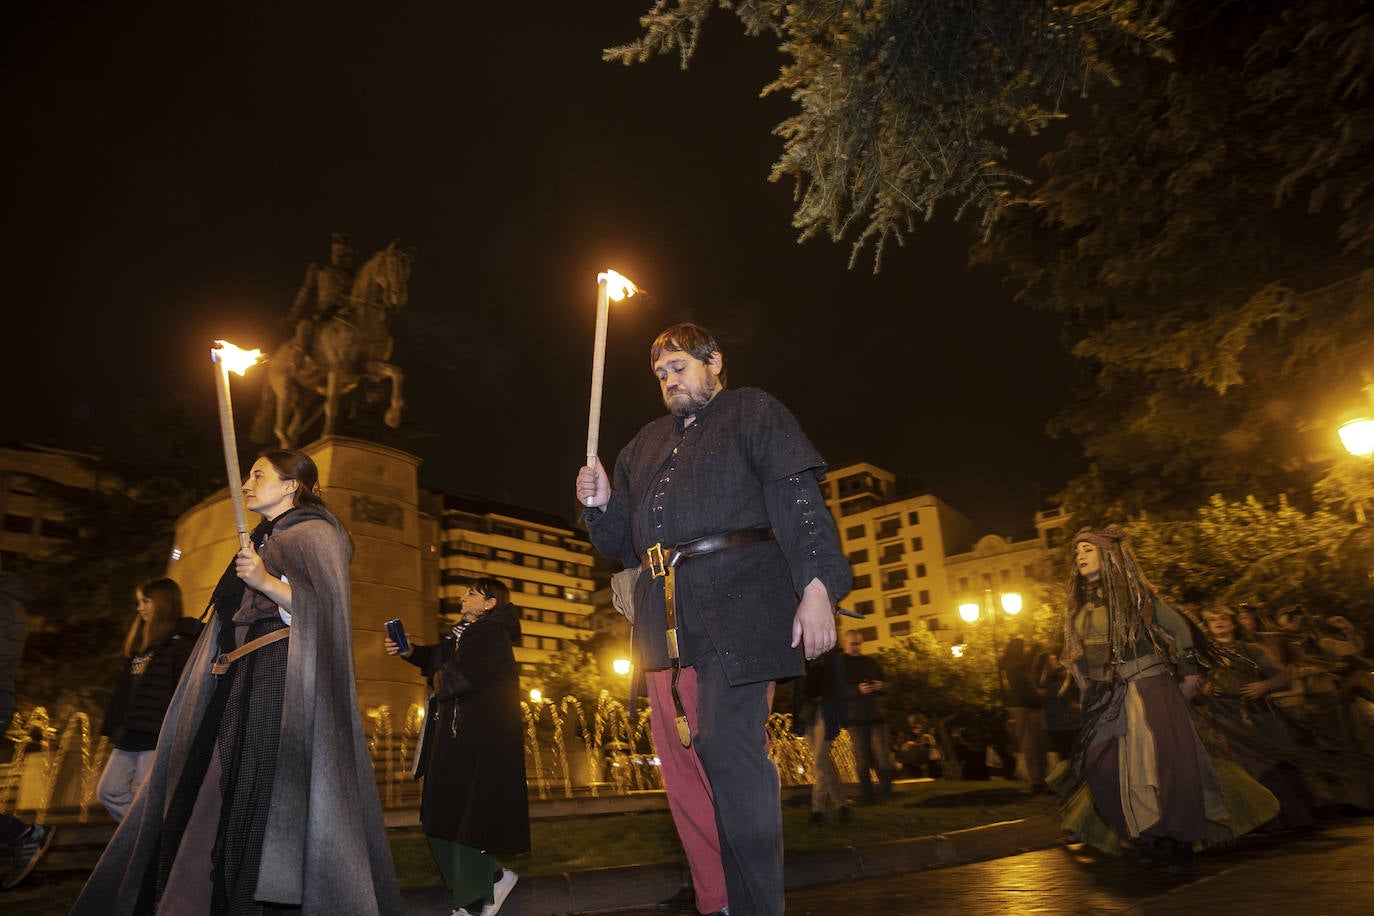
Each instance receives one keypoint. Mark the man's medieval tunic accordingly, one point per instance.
(742, 464)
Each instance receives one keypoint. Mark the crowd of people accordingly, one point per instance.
(1289, 696)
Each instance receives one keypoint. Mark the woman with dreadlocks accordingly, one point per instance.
(1140, 772)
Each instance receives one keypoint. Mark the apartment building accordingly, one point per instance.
(994, 568)
(545, 561)
(896, 544)
(1052, 527)
(33, 521)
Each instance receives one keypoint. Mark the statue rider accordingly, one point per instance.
(323, 294)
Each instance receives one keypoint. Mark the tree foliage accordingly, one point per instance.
(1273, 554)
(905, 104)
(923, 677)
(572, 672)
(119, 536)
(1206, 234)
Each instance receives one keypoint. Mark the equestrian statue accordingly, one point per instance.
(339, 339)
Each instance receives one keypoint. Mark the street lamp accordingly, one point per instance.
(1358, 436)
(970, 611)
(621, 666)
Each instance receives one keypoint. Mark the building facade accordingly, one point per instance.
(987, 576)
(896, 545)
(545, 561)
(33, 521)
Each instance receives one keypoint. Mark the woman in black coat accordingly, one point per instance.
(156, 649)
(475, 805)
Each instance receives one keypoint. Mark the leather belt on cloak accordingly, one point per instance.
(221, 664)
(662, 562)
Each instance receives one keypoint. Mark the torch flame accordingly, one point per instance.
(617, 287)
(233, 358)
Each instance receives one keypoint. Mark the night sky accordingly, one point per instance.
(172, 170)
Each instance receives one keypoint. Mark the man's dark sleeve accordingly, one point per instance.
(789, 469)
(807, 534)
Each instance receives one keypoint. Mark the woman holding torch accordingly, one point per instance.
(262, 797)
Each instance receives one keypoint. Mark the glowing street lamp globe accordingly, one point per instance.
(1011, 603)
(968, 612)
(621, 666)
(1358, 437)
(536, 695)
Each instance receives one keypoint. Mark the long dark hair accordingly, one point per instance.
(165, 596)
(293, 464)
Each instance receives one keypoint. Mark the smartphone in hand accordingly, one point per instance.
(397, 631)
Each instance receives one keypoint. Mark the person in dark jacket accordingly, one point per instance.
(818, 715)
(1063, 714)
(475, 805)
(1020, 667)
(863, 716)
(160, 641)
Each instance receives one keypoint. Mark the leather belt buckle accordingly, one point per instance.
(654, 557)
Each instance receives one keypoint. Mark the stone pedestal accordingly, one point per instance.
(375, 493)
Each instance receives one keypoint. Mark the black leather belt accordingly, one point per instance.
(658, 558)
(662, 563)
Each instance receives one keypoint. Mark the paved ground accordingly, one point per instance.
(1328, 871)
(1005, 869)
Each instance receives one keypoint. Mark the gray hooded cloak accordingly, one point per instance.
(325, 848)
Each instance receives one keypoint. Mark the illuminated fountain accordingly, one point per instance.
(586, 755)
(61, 773)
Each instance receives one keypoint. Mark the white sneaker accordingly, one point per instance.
(500, 891)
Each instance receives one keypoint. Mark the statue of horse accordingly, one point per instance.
(348, 347)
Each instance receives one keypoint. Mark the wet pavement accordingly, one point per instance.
(1326, 871)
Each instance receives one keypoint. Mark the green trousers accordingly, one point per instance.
(468, 873)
